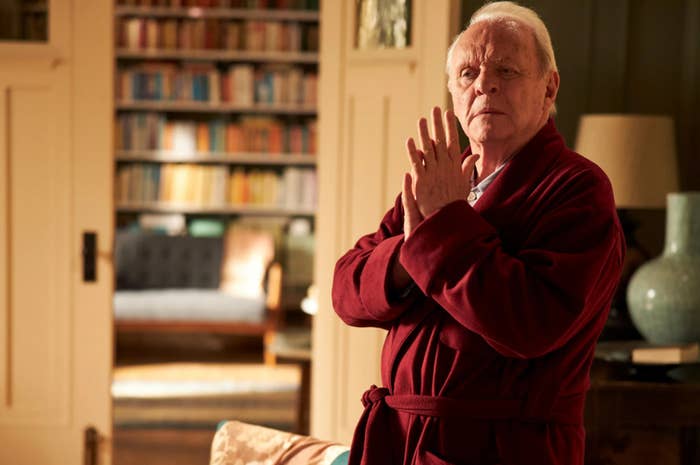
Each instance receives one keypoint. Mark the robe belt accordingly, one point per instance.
(373, 424)
(566, 410)
(433, 406)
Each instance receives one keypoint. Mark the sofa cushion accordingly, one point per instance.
(187, 305)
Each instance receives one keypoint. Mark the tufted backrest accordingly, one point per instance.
(152, 261)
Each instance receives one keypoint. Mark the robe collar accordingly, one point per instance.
(524, 168)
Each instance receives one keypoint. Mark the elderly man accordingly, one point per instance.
(493, 272)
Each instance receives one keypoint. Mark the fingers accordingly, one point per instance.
(408, 200)
(469, 163)
(453, 147)
(426, 142)
(439, 132)
(406, 197)
(407, 191)
(415, 156)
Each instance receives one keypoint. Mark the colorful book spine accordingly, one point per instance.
(181, 184)
(254, 4)
(259, 134)
(241, 84)
(216, 34)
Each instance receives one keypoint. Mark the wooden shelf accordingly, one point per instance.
(238, 158)
(218, 55)
(206, 107)
(217, 13)
(163, 207)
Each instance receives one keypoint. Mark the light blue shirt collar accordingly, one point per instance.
(477, 191)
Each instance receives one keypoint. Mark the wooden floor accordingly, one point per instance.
(133, 446)
(161, 447)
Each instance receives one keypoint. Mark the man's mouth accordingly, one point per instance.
(489, 111)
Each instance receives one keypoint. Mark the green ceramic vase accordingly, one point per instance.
(664, 294)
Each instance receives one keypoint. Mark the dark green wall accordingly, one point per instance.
(627, 56)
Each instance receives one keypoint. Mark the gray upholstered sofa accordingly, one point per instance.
(173, 283)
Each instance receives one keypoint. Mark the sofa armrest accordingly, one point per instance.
(236, 442)
(273, 287)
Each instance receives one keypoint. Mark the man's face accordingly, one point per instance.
(499, 91)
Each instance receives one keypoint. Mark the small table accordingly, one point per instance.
(294, 344)
(641, 414)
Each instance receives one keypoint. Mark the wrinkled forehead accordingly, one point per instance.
(494, 41)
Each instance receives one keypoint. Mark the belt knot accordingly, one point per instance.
(373, 395)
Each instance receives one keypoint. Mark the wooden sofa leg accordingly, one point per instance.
(269, 356)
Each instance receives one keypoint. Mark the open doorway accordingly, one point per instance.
(215, 165)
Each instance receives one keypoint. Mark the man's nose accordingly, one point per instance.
(487, 82)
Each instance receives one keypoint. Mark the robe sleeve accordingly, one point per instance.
(529, 302)
(361, 292)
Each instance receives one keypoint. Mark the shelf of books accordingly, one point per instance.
(302, 11)
(288, 190)
(156, 207)
(219, 55)
(235, 158)
(210, 107)
(32, 20)
(216, 106)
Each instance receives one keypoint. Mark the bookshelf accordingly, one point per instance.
(24, 20)
(215, 110)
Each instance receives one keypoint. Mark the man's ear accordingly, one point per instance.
(550, 94)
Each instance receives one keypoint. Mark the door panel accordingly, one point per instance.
(35, 321)
(35, 352)
(55, 183)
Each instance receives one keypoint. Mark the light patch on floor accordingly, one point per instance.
(202, 379)
(193, 394)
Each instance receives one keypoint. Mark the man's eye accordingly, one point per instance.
(468, 74)
(508, 72)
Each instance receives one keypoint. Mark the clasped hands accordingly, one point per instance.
(438, 175)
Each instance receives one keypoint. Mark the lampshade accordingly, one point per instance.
(637, 152)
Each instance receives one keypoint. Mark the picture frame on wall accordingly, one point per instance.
(382, 24)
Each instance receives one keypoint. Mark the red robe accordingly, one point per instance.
(488, 360)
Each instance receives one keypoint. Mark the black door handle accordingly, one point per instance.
(92, 442)
(89, 256)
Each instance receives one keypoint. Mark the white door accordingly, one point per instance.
(55, 184)
(370, 102)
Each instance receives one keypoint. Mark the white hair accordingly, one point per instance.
(511, 11)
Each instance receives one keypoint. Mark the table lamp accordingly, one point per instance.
(638, 153)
